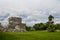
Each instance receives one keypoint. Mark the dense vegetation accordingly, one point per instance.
(49, 25)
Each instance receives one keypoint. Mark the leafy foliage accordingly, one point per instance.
(50, 18)
(28, 28)
(40, 26)
(57, 26)
(51, 27)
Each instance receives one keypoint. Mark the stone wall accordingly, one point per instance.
(15, 25)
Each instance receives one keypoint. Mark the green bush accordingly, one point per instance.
(40, 26)
(51, 28)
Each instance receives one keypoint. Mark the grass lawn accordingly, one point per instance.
(34, 35)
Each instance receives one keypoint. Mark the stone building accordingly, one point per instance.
(16, 25)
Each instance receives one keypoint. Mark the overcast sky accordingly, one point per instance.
(31, 11)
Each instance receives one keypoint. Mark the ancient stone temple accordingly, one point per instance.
(16, 25)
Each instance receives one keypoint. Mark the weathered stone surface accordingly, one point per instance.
(15, 25)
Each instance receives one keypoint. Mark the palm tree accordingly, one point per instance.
(50, 18)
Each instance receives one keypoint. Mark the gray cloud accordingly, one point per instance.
(32, 11)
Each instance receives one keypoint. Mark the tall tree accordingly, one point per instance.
(51, 27)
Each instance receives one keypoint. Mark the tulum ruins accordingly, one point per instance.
(14, 25)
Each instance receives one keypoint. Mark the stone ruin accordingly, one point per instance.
(15, 25)
(1, 28)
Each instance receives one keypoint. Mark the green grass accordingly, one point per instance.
(34, 35)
